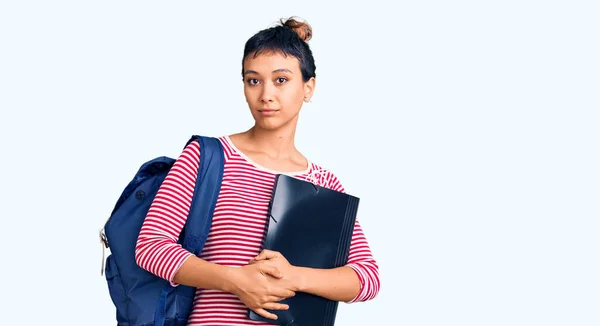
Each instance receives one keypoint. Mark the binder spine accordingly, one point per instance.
(343, 252)
(347, 230)
(330, 313)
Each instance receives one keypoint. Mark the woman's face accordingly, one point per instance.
(274, 89)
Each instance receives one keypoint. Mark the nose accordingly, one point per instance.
(268, 93)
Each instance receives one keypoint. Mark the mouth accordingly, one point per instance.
(268, 111)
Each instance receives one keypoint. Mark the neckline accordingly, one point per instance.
(263, 168)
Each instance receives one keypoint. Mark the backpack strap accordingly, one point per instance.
(204, 200)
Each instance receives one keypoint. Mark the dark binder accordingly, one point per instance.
(311, 226)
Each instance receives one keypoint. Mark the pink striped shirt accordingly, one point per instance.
(236, 232)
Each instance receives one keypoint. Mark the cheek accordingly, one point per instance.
(295, 95)
(249, 93)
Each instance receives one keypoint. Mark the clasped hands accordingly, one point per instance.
(267, 279)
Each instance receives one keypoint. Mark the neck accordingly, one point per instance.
(275, 143)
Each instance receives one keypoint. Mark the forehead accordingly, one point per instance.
(266, 63)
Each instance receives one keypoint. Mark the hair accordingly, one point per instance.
(289, 38)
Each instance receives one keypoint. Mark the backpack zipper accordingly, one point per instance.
(104, 244)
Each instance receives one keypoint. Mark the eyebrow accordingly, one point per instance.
(247, 72)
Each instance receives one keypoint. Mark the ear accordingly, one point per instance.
(309, 89)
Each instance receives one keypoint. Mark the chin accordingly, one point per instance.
(272, 123)
(268, 125)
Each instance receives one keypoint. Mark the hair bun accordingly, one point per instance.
(303, 29)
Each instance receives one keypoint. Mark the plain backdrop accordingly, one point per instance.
(469, 129)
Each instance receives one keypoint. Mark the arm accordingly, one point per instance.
(340, 283)
(158, 252)
(357, 281)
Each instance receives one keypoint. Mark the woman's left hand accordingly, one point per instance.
(291, 274)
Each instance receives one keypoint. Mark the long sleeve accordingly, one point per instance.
(360, 258)
(157, 250)
(362, 262)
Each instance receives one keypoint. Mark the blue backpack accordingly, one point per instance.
(140, 297)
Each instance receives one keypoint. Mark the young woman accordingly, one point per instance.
(232, 274)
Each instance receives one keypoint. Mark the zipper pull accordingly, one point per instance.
(104, 244)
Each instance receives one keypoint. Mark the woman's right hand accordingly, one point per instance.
(251, 284)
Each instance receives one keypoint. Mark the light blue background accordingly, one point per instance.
(470, 130)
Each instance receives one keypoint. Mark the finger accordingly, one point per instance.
(265, 313)
(276, 298)
(271, 270)
(266, 254)
(276, 306)
(283, 293)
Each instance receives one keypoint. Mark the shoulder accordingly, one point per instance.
(193, 145)
(191, 149)
(324, 177)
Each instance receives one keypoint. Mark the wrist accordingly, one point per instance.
(229, 279)
(300, 279)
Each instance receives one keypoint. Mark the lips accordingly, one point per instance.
(268, 112)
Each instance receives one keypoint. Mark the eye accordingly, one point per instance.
(281, 80)
(252, 81)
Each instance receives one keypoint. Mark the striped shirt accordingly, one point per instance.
(236, 232)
